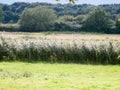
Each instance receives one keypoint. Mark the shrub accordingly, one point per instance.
(9, 27)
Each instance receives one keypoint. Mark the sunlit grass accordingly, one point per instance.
(45, 76)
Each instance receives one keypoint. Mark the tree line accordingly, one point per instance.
(44, 16)
(12, 12)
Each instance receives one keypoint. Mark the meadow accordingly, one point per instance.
(61, 48)
(59, 61)
(46, 76)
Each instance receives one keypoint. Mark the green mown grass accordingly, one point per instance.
(46, 76)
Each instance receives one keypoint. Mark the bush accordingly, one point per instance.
(9, 27)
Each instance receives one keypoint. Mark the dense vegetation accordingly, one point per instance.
(61, 48)
(1, 14)
(69, 16)
(98, 21)
(65, 51)
(12, 12)
(41, 19)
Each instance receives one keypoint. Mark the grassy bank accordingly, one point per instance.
(44, 76)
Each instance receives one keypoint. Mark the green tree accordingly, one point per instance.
(1, 14)
(79, 19)
(64, 23)
(118, 22)
(97, 21)
(37, 19)
(10, 16)
(66, 19)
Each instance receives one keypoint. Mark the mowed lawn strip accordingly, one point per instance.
(45, 76)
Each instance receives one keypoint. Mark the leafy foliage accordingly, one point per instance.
(98, 20)
(1, 14)
(12, 12)
(67, 9)
(37, 19)
(79, 13)
(118, 24)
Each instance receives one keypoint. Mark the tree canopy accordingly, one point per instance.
(37, 19)
(98, 20)
(1, 14)
(69, 16)
(12, 12)
(118, 22)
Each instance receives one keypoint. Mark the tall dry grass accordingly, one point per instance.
(64, 51)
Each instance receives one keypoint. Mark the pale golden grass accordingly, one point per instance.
(98, 37)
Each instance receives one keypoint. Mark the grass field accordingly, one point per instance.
(44, 76)
(58, 76)
(61, 35)
(66, 47)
